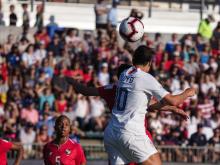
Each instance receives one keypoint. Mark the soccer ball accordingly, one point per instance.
(131, 29)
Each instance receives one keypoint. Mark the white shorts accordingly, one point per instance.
(123, 148)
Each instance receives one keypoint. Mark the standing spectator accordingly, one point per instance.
(101, 12)
(12, 17)
(112, 16)
(26, 17)
(52, 27)
(39, 17)
(205, 28)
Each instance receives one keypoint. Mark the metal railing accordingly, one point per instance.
(186, 154)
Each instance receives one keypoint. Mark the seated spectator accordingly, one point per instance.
(45, 95)
(103, 76)
(215, 143)
(27, 136)
(61, 103)
(30, 114)
(28, 58)
(81, 110)
(48, 121)
(97, 114)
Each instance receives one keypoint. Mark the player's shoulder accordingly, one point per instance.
(3, 141)
(49, 144)
(74, 144)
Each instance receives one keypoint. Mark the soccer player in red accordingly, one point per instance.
(62, 150)
(5, 146)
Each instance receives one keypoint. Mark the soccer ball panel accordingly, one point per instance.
(131, 29)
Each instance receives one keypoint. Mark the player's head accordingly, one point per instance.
(121, 68)
(62, 126)
(142, 57)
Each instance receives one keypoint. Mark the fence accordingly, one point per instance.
(187, 154)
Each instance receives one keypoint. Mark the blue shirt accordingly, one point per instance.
(112, 16)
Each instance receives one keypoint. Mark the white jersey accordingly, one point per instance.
(134, 91)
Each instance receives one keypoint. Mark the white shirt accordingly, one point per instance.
(97, 107)
(104, 78)
(81, 108)
(29, 59)
(134, 91)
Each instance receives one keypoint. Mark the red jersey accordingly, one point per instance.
(108, 94)
(5, 147)
(69, 153)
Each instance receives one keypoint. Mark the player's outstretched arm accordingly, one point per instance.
(83, 89)
(20, 150)
(175, 100)
(161, 107)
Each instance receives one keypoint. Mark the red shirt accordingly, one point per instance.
(69, 153)
(5, 147)
(108, 94)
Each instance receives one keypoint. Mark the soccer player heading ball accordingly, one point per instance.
(62, 150)
(125, 138)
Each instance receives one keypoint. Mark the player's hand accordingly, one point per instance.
(175, 110)
(190, 92)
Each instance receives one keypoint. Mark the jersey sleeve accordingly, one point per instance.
(81, 156)
(5, 145)
(154, 87)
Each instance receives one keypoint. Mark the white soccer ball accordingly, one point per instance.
(131, 29)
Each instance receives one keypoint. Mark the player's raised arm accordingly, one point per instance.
(83, 89)
(175, 100)
(161, 107)
(20, 150)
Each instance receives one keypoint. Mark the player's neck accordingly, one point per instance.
(144, 68)
(61, 140)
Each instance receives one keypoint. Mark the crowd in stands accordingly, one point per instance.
(34, 91)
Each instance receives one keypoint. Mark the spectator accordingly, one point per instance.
(12, 17)
(39, 17)
(52, 27)
(61, 103)
(28, 58)
(97, 114)
(27, 137)
(81, 110)
(101, 12)
(104, 77)
(30, 114)
(26, 17)
(112, 16)
(198, 138)
(205, 29)
(2, 22)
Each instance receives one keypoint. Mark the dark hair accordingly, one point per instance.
(60, 118)
(142, 55)
(121, 68)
